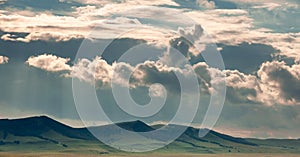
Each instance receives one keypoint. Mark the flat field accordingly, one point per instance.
(151, 155)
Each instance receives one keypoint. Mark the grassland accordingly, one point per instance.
(48, 138)
(133, 155)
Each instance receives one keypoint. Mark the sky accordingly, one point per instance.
(45, 46)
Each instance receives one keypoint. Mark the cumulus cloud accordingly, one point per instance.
(275, 83)
(237, 79)
(3, 60)
(49, 62)
(280, 83)
(241, 87)
(192, 33)
(145, 74)
(99, 72)
(206, 3)
(91, 71)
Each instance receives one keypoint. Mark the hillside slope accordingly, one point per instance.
(43, 134)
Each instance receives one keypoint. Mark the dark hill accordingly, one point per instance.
(37, 126)
(43, 133)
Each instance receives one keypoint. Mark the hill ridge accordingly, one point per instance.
(43, 131)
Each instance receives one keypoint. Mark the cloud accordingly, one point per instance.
(206, 3)
(240, 87)
(127, 6)
(49, 27)
(227, 26)
(233, 27)
(131, 2)
(42, 26)
(236, 79)
(280, 83)
(49, 62)
(193, 34)
(269, 4)
(91, 71)
(73, 25)
(35, 36)
(276, 83)
(3, 60)
(98, 71)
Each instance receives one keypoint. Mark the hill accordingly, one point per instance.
(43, 134)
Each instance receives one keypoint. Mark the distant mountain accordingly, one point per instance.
(38, 126)
(45, 134)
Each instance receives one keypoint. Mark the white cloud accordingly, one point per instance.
(45, 26)
(275, 84)
(131, 2)
(98, 71)
(236, 79)
(49, 62)
(42, 26)
(48, 27)
(3, 60)
(157, 90)
(193, 34)
(234, 30)
(78, 24)
(206, 3)
(279, 83)
(54, 36)
(269, 4)
(91, 71)
(228, 26)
